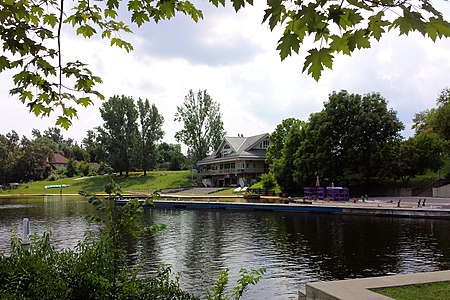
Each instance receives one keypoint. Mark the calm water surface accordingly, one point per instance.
(294, 248)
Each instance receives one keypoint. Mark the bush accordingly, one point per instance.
(57, 174)
(84, 168)
(268, 181)
(71, 168)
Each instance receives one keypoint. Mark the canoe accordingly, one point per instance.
(56, 186)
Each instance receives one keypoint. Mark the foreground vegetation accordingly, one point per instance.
(97, 267)
(427, 291)
(135, 183)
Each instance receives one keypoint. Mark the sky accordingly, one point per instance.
(234, 57)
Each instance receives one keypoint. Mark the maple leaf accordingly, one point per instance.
(289, 41)
(316, 60)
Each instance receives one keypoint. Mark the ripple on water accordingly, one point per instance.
(294, 248)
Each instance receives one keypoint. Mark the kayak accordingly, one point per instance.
(56, 186)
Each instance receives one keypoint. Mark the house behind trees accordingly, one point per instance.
(237, 161)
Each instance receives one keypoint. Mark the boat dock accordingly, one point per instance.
(341, 208)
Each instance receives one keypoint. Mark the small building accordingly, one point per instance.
(237, 161)
(58, 161)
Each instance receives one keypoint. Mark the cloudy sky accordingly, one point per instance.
(234, 57)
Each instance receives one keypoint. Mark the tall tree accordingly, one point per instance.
(93, 146)
(54, 133)
(418, 154)
(283, 164)
(348, 136)
(278, 138)
(151, 133)
(202, 124)
(437, 119)
(120, 131)
(347, 142)
(31, 36)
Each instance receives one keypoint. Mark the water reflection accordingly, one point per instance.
(294, 248)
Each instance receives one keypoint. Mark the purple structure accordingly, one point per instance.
(328, 193)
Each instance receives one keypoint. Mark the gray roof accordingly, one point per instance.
(242, 149)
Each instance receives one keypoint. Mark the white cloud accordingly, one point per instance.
(234, 57)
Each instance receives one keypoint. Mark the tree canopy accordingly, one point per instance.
(150, 133)
(344, 143)
(31, 35)
(202, 124)
(120, 131)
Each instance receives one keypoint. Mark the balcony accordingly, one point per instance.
(231, 171)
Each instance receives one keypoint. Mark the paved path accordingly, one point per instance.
(198, 191)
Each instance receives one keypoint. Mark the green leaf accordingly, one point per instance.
(50, 19)
(316, 60)
(110, 13)
(238, 4)
(217, 2)
(289, 41)
(70, 112)
(85, 101)
(106, 34)
(359, 39)
(340, 44)
(4, 63)
(273, 13)
(360, 4)
(64, 122)
(37, 108)
(26, 95)
(376, 24)
(140, 17)
(121, 44)
(86, 31)
(437, 27)
(410, 21)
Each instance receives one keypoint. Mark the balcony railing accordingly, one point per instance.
(231, 171)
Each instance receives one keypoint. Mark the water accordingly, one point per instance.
(294, 248)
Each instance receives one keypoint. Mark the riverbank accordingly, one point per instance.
(372, 208)
(384, 206)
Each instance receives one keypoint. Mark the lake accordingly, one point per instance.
(295, 248)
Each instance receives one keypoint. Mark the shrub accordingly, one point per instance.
(268, 181)
(57, 174)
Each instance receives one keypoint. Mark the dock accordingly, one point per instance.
(322, 207)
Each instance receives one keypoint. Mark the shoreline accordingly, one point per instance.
(382, 206)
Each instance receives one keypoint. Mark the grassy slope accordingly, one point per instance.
(135, 183)
(429, 291)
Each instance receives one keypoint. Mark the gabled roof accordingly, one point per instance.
(58, 159)
(242, 149)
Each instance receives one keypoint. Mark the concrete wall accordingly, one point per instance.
(442, 192)
(401, 192)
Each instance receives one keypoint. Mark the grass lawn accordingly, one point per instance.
(135, 183)
(426, 291)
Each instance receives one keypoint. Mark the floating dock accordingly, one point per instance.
(346, 208)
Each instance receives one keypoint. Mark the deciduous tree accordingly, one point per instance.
(119, 133)
(151, 133)
(348, 136)
(202, 124)
(422, 152)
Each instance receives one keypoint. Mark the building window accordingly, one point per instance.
(264, 144)
(225, 150)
